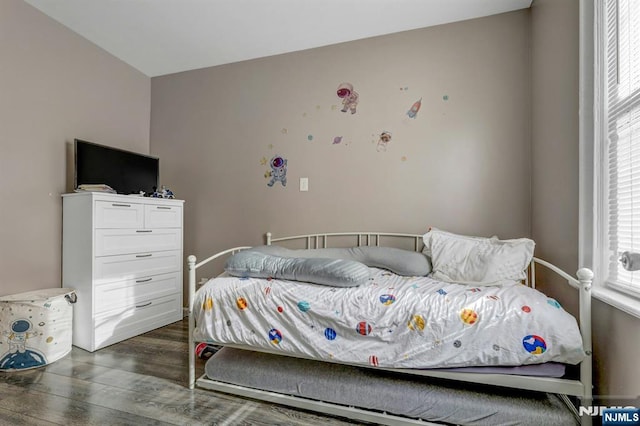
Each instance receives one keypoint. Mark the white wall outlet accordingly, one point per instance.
(304, 184)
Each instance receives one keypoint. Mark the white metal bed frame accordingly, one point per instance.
(565, 388)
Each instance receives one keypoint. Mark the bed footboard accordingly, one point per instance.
(192, 266)
(583, 284)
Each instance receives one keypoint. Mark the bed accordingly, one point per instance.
(433, 339)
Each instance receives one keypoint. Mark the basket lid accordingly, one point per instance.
(42, 294)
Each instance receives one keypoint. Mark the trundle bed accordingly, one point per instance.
(401, 347)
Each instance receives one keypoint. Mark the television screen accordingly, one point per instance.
(124, 171)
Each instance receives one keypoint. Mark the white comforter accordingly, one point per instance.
(391, 321)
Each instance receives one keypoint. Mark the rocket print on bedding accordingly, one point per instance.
(391, 321)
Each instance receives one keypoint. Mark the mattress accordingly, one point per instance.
(390, 321)
(416, 397)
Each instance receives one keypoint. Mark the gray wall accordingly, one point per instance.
(462, 164)
(55, 86)
(554, 132)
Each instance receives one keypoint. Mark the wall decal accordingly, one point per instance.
(403, 158)
(413, 111)
(284, 131)
(445, 98)
(263, 161)
(278, 170)
(337, 140)
(309, 138)
(383, 141)
(349, 97)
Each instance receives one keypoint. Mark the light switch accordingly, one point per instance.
(304, 184)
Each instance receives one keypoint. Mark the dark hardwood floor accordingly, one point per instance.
(141, 381)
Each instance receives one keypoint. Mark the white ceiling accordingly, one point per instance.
(161, 37)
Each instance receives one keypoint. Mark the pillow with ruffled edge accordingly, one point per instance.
(330, 272)
(476, 260)
(398, 261)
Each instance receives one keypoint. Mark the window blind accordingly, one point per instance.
(623, 130)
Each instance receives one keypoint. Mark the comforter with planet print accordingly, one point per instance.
(391, 321)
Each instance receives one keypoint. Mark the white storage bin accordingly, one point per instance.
(35, 328)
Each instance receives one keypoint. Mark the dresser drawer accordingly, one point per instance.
(162, 216)
(110, 242)
(134, 266)
(119, 215)
(135, 292)
(119, 324)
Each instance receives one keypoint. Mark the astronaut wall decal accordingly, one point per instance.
(278, 170)
(349, 97)
(383, 141)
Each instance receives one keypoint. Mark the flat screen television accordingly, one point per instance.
(124, 171)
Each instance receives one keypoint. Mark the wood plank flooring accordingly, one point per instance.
(141, 381)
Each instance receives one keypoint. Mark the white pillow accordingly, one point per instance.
(475, 260)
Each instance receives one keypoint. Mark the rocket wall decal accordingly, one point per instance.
(413, 111)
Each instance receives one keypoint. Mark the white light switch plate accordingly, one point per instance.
(304, 184)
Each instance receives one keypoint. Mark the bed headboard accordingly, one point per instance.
(314, 241)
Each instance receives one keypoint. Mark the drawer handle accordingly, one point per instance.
(143, 306)
(144, 255)
(144, 281)
(144, 230)
(163, 208)
(120, 205)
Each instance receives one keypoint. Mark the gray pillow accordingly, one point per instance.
(399, 261)
(331, 272)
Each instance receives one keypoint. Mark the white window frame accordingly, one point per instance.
(593, 174)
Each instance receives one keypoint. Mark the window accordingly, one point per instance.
(617, 150)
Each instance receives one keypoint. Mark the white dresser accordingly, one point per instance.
(123, 255)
